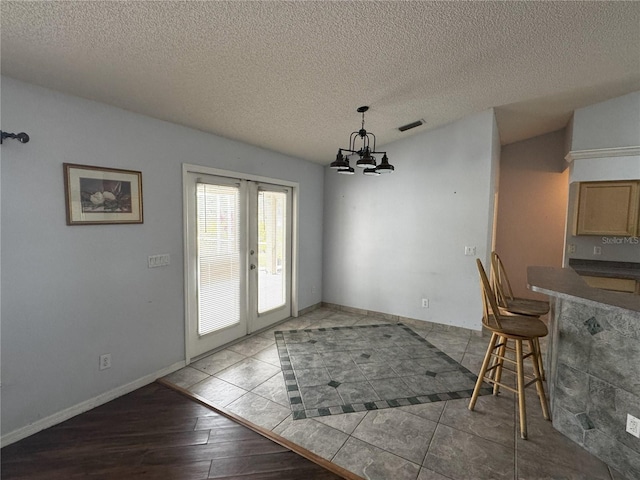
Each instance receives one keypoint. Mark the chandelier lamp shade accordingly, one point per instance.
(362, 145)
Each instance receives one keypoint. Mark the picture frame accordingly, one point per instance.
(99, 195)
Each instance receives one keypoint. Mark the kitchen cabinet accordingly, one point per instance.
(616, 284)
(608, 208)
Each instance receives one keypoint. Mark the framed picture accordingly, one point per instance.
(97, 195)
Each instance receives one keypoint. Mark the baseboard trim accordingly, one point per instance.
(274, 437)
(82, 407)
(398, 318)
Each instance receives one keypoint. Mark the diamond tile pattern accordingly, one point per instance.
(366, 371)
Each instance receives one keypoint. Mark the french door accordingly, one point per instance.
(238, 258)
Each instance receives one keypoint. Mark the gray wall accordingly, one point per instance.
(70, 294)
(609, 124)
(392, 240)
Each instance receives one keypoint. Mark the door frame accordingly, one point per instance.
(188, 169)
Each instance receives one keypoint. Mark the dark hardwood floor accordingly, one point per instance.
(153, 433)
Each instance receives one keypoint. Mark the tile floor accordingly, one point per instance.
(337, 370)
(430, 441)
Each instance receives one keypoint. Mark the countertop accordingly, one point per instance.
(598, 268)
(566, 283)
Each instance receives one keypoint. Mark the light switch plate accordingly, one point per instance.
(159, 260)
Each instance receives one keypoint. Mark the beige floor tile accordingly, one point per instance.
(398, 432)
(185, 377)
(463, 456)
(217, 391)
(248, 373)
(315, 436)
(252, 345)
(218, 361)
(347, 422)
(274, 389)
(373, 463)
(259, 410)
(493, 418)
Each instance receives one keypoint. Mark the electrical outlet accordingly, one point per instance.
(425, 303)
(571, 248)
(105, 361)
(469, 251)
(597, 250)
(633, 425)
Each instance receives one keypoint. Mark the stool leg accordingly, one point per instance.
(521, 396)
(499, 360)
(540, 362)
(538, 376)
(483, 371)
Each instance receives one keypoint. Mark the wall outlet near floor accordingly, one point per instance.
(597, 250)
(633, 425)
(571, 248)
(105, 361)
(425, 303)
(469, 251)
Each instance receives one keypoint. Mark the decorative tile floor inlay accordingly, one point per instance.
(330, 371)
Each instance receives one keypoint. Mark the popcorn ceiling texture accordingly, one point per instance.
(288, 76)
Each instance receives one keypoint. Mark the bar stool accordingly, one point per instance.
(505, 328)
(517, 305)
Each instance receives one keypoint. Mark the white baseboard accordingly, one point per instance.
(94, 402)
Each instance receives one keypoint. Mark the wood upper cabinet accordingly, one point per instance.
(608, 208)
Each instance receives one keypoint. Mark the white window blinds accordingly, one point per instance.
(218, 256)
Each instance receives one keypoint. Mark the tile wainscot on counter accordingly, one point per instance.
(593, 365)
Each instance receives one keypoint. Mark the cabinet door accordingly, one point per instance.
(608, 208)
(607, 283)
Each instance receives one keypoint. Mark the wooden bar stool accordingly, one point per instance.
(516, 305)
(505, 328)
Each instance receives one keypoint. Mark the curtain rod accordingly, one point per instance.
(21, 137)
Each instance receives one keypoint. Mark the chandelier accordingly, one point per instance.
(365, 153)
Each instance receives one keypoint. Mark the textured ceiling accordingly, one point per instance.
(288, 76)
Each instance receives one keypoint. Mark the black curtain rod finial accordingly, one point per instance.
(21, 137)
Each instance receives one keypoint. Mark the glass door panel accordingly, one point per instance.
(272, 254)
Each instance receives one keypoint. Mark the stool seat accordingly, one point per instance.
(519, 326)
(526, 306)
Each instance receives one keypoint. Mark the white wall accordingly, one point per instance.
(613, 123)
(71, 293)
(392, 240)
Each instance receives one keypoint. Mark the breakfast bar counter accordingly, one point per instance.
(592, 365)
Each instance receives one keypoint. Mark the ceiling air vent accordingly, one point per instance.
(409, 126)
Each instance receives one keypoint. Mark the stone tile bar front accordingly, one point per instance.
(593, 365)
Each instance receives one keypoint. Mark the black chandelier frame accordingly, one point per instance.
(367, 161)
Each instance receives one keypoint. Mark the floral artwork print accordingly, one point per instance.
(105, 195)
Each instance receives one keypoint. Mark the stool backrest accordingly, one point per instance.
(491, 312)
(501, 284)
